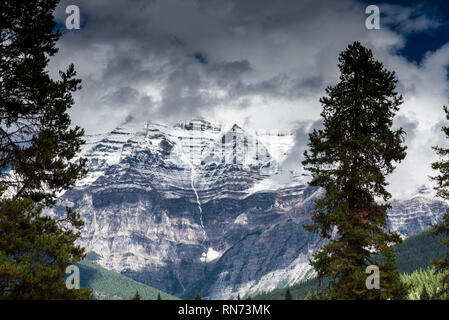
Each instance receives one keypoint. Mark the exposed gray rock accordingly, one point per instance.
(196, 207)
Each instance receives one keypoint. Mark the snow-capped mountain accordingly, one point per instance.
(197, 207)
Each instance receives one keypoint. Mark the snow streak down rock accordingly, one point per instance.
(192, 180)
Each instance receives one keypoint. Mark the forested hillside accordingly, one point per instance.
(109, 285)
(413, 261)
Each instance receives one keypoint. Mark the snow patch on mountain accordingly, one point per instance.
(210, 255)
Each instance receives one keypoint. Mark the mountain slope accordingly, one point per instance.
(109, 285)
(206, 207)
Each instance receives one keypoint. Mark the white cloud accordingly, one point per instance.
(267, 64)
(408, 19)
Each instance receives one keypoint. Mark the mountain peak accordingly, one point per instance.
(198, 124)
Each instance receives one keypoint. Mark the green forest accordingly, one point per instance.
(413, 259)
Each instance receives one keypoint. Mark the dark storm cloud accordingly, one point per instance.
(264, 62)
(176, 59)
(280, 86)
(126, 96)
(182, 94)
(229, 71)
(187, 50)
(305, 86)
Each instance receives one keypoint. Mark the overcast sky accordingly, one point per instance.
(258, 63)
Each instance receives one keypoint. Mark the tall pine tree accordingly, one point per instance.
(288, 294)
(442, 228)
(350, 159)
(38, 148)
(37, 143)
(34, 254)
(137, 296)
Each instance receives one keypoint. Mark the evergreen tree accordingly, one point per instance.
(424, 294)
(34, 254)
(137, 296)
(442, 190)
(350, 159)
(197, 296)
(159, 296)
(37, 156)
(313, 295)
(249, 298)
(37, 145)
(238, 297)
(425, 279)
(288, 295)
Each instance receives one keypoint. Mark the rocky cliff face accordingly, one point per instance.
(197, 207)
